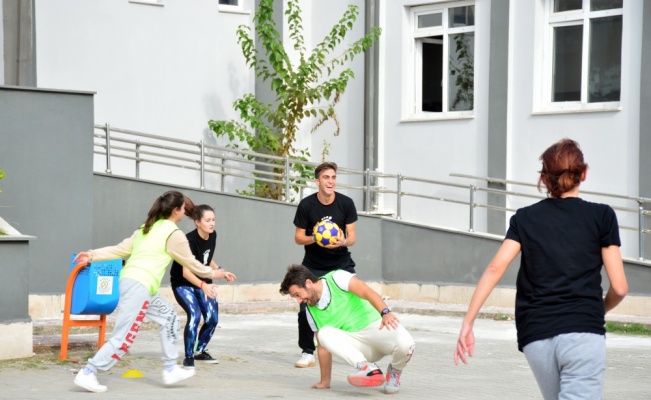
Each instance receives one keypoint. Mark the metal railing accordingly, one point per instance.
(226, 162)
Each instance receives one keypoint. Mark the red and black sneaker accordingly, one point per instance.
(367, 375)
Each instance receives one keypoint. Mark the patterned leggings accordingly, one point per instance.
(193, 301)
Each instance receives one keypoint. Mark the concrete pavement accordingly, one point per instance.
(257, 352)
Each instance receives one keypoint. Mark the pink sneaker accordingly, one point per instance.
(367, 375)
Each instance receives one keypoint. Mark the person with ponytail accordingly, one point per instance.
(187, 288)
(559, 308)
(150, 250)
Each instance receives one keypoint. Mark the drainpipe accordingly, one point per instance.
(371, 56)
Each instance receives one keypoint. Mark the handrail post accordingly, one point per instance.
(641, 232)
(203, 164)
(107, 127)
(287, 196)
(472, 208)
(367, 190)
(221, 183)
(137, 158)
(399, 196)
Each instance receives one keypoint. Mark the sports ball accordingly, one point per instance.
(324, 231)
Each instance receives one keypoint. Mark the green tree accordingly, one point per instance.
(310, 88)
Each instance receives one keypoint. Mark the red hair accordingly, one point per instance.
(562, 167)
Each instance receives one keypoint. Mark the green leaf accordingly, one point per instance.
(302, 89)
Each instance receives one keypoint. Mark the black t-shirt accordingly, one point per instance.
(341, 211)
(203, 251)
(559, 281)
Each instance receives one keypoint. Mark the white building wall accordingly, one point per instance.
(164, 70)
(168, 69)
(609, 139)
(347, 149)
(436, 148)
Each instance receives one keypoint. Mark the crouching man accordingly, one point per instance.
(352, 322)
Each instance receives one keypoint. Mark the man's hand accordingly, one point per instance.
(390, 321)
(339, 241)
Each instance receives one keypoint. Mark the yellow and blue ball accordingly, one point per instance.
(325, 231)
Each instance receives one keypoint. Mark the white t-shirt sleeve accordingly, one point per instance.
(310, 321)
(342, 279)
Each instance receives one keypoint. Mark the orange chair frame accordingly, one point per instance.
(67, 322)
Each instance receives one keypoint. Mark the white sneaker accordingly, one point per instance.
(89, 382)
(306, 360)
(177, 374)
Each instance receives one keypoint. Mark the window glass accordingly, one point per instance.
(568, 42)
(429, 20)
(432, 72)
(228, 2)
(461, 16)
(583, 55)
(598, 5)
(567, 5)
(444, 67)
(604, 76)
(461, 77)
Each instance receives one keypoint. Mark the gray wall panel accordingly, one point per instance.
(419, 254)
(255, 237)
(46, 151)
(645, 115)
(498, 86)
(14, 257)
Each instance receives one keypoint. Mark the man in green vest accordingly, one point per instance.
(352, 322)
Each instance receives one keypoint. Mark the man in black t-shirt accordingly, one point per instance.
(326, 204)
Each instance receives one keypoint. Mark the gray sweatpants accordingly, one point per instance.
(134, 305)
(570, 366)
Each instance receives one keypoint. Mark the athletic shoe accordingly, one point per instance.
(205, 357)
(89, 382)
(367, 375)
(176, 375)
(188, 362)
(306, 360)
(392, 385)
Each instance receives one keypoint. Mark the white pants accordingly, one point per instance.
(369, 344)
(134, 305)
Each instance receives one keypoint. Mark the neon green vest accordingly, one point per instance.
(346, 311)
(149, 258)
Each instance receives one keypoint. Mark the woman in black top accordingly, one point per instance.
(188, 288)
(559, 308)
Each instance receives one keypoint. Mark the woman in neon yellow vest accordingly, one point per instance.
(150, 250)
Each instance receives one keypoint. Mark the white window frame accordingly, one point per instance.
(236, 9)
(543, 104)
(160, 3)
(412, 84)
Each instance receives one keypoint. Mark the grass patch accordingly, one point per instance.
(48, 357)
(502, 317)
(628, 329)
(37, 361)
(3, 233)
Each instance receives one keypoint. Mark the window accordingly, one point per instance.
(583, 54)
(443, 69)
(231, 6)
